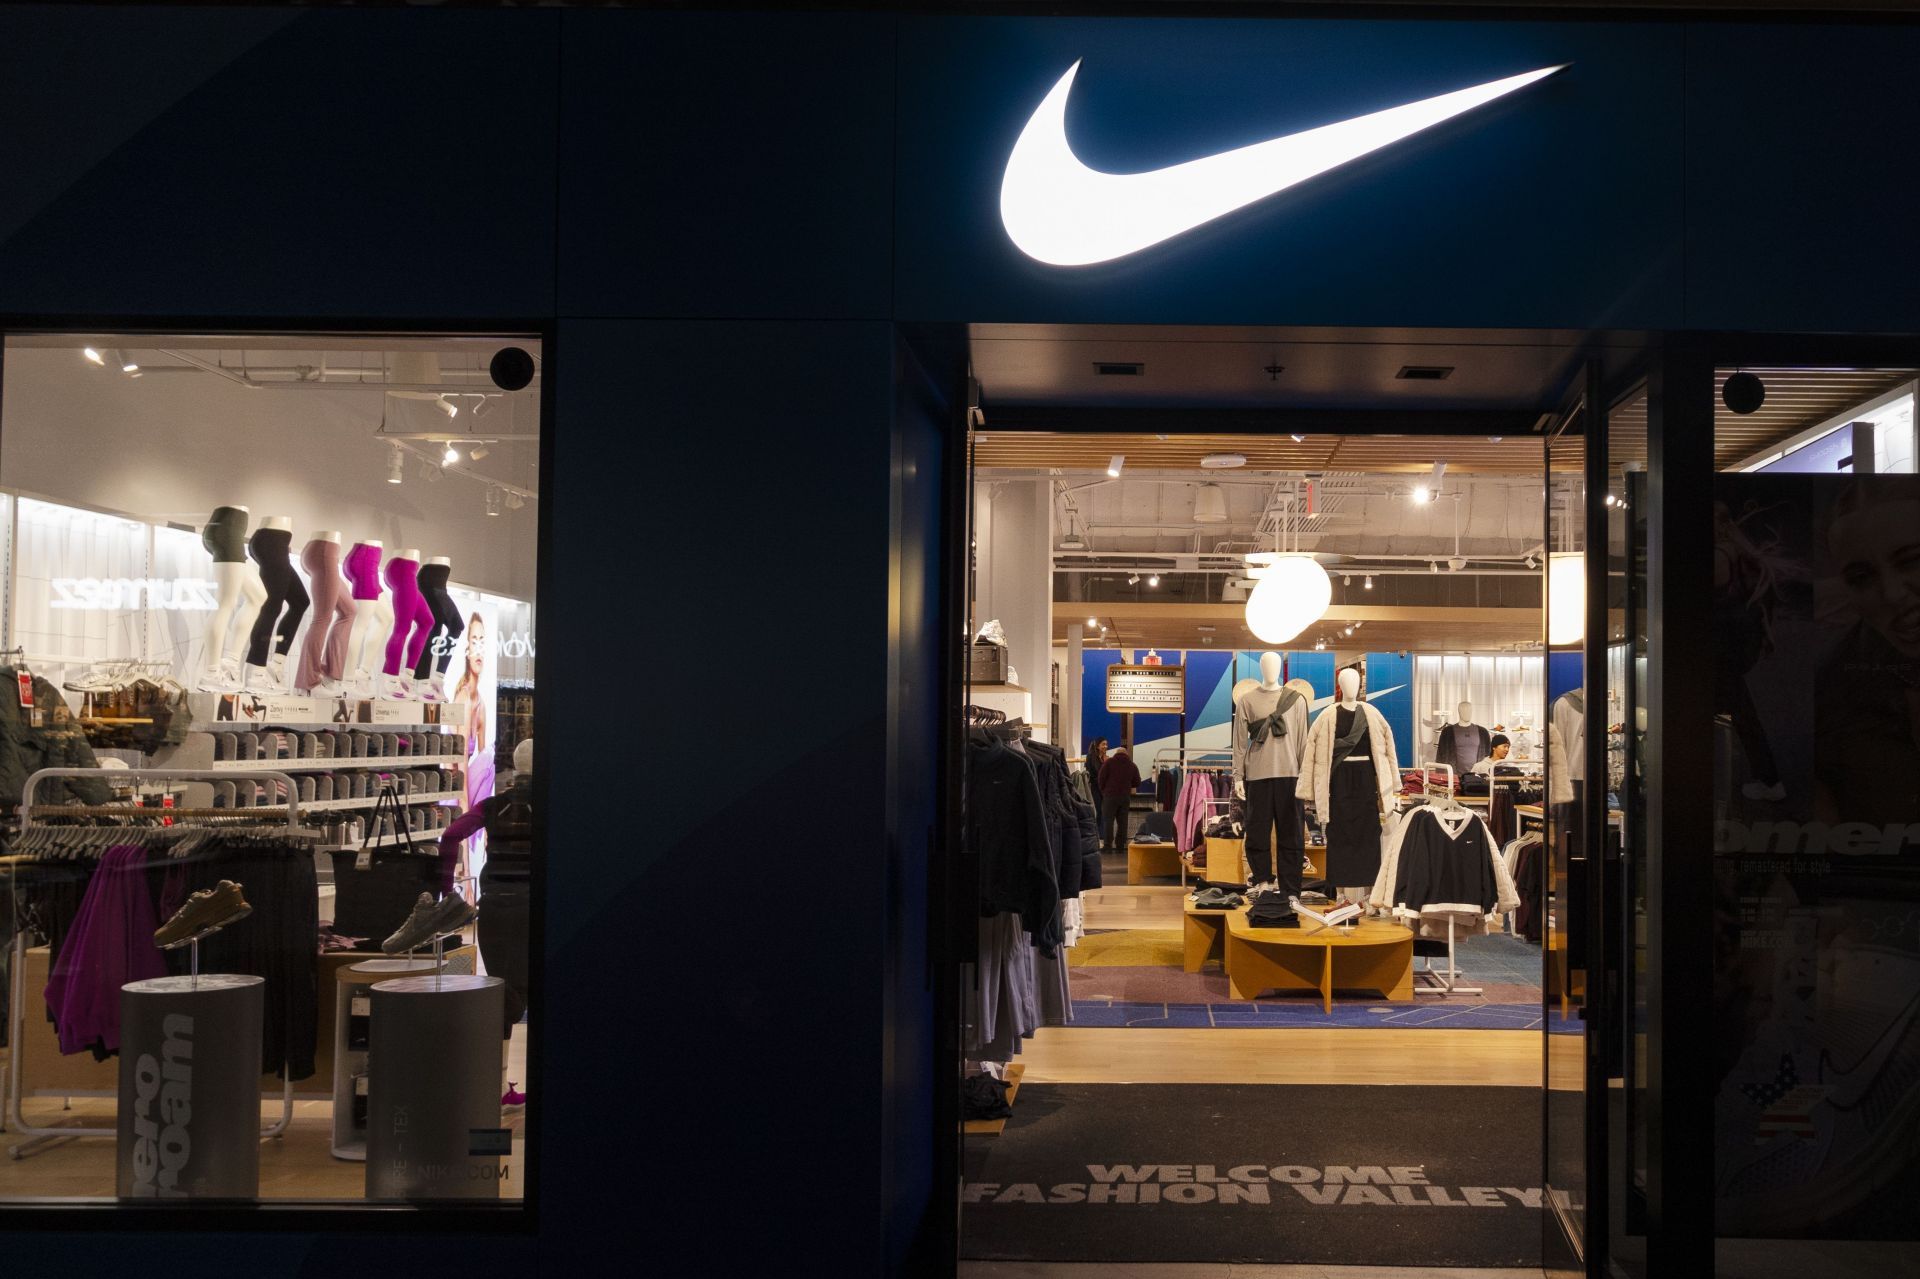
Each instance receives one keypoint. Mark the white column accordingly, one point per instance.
(1013, 525)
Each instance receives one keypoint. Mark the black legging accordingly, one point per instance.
(272, 551)
(446, 620)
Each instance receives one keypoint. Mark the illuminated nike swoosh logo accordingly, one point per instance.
(1060, 212)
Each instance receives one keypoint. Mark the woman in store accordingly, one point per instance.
(1096, 755)
(1867, 694)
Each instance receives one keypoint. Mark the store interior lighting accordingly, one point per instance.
(1153, 579)
(1368, 583)
(1114, 467)
(93, 355)
(396, 465)
(451, 456)
(493, 501)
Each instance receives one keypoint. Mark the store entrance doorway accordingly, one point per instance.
(1218, 1042)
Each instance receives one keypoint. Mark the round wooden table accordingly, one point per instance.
(1372, 955)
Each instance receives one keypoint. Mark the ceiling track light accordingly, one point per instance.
(1114, 467)
(451, 456)
(515, 501)
(1133, 579)
(1369, 582)
(477, 451)
(493, 501)
(396, 465)
(1153, 579)
(93, 355)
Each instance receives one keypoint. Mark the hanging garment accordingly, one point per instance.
(1441, 867)
(109, 944)
(1525, 864)
(1007, 831)
(1461, 746)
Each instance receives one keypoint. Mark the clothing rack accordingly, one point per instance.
(17, 1088)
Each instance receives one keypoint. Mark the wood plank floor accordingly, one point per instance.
(1132, 1055)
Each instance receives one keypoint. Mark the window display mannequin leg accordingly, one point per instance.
(238, 584)
(285, 605)
(447, 627)
(323, 656)
(412, 620)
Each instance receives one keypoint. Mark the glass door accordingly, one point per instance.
(1573, 816)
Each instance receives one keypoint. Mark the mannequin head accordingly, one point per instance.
(1349, 685)
(523, 758)
(1466, 712)
(1270, 666)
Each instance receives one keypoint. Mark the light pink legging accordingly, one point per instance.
(324, 655)
(410, 613)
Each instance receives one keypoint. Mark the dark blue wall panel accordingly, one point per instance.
(1558, 206)
(247, 163)
(717, 893)
(1801, 181)
(727, 165)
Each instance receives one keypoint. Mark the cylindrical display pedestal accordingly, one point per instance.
(433, 1113)
(190, 1087)
(352, 1021)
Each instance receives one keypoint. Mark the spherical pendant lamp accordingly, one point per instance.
(1566, 597)
(1292, 593)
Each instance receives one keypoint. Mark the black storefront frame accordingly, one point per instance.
(296, 1217)
(1677, 372)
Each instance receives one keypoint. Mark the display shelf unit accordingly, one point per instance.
(394, 763)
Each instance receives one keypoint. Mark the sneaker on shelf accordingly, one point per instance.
(513, 1096)
(208, 910)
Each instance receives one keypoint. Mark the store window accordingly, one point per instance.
(1816, 750)
(266, 761)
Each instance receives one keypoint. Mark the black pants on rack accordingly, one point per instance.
(1113, 821)
(272, 553)
(1273, 804)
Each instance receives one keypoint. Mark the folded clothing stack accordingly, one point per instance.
(1217, 899)
(1272, 910)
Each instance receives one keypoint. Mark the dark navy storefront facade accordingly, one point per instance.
(727, 226)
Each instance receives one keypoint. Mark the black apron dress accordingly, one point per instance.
(1353, 827)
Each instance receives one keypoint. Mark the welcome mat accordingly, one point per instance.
(1333, 1174)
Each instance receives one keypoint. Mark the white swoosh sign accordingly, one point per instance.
(1060, 212)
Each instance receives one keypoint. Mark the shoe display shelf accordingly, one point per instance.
(199, 748)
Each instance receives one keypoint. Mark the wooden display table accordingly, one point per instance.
(1375, 955)
(1144, 860)
(1226, 860)
(1206, 935)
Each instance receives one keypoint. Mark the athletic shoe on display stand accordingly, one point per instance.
(430, 919)
(207, 911)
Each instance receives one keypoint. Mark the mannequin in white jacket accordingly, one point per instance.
(1349, 801)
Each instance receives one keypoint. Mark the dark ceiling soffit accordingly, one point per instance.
(1242, 421)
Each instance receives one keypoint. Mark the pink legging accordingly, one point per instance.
(324, 655)
(410, 612)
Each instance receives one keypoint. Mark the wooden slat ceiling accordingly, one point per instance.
(1796, 400)
(1375, 454)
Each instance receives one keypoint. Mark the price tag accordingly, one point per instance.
(364, 861)
(26, 689)
(360, 1006)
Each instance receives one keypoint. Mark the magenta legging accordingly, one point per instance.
(362, 567)
(410, 613)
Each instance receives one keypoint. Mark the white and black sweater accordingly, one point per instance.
(1441, 866)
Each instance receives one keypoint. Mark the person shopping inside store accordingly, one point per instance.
(1119, 778)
